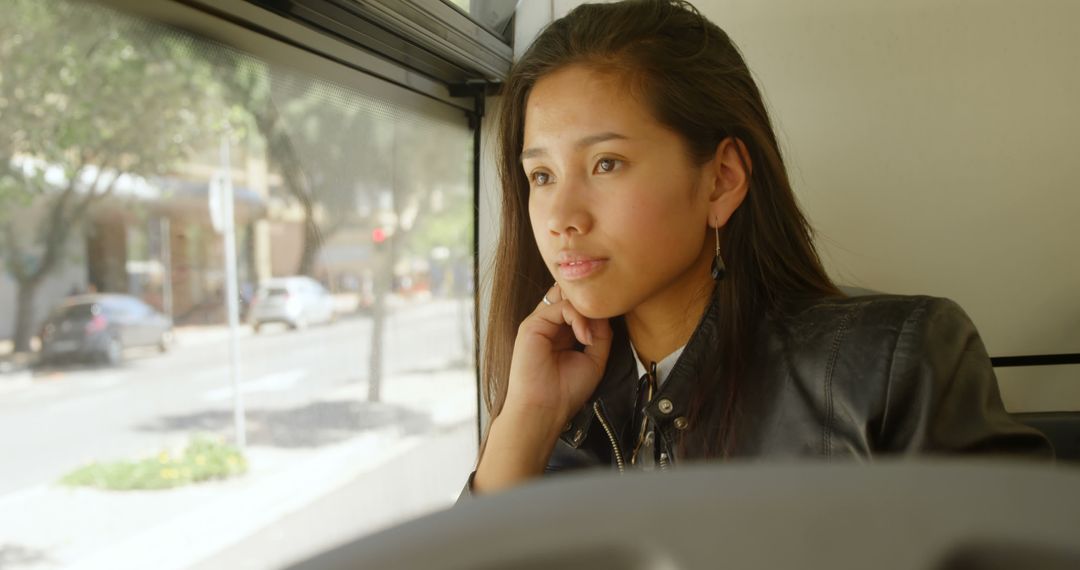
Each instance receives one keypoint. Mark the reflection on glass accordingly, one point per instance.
(353, 222)
(496, 15)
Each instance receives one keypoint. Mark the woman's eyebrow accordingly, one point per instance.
(584, 142)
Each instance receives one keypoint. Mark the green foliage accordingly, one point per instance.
(84, 91)
(83, 86)
(345, 157)
(88, 95)
(204, 459)
(450, 227)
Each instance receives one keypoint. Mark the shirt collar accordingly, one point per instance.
(663, 368)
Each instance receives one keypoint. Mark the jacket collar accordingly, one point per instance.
(699, 357)
(616, 392)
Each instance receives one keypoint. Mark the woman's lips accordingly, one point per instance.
(580, 268)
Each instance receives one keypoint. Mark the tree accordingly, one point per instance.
(88, 100)
(346, 158)
(345, 151)
(311, 130)
(431, 162)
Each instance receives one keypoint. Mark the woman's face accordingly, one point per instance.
(618, 208)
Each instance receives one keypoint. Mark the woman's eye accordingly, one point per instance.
(607, 164)
(541, 178)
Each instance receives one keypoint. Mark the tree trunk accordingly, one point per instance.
(250, 261)
(312, 243)
(24, 313)
(27, 280)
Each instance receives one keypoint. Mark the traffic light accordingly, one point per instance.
(378, 237)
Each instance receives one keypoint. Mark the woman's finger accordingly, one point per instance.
(580, 325)
(560, 314)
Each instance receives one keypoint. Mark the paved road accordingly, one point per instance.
(293, 386)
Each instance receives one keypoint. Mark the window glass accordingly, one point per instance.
(116, 307)
(84, 311)
(139, 309)
(121, 141)
(496, 15)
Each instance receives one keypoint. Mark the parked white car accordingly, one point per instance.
(294, 301)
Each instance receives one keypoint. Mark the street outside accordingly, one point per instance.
(310, 430)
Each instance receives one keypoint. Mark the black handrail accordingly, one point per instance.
(1035, 360)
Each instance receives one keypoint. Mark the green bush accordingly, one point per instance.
(204, 459)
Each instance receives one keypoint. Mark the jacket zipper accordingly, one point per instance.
(611, 436)
(665, 459)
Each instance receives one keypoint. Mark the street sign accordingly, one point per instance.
(215, 197)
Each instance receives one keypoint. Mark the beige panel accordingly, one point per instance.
(933, 146)
(1040, 389)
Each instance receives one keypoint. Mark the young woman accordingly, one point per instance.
(657, 297)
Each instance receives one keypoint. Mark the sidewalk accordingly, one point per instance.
(16, 368)
(50, 526)
(422, 480)
(15, 371)
(346, 305)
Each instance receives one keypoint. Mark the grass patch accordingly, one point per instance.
(204, 459)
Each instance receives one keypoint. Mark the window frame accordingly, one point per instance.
(286, 41)
(429, 36)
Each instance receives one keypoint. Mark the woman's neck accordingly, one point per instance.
(664, 323)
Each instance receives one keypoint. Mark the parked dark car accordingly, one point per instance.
(99, 327)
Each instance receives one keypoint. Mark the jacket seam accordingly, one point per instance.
(826, 435)
(900, 337)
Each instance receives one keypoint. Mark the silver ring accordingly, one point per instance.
(546, 300)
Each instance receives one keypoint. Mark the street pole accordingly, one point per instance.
(232, 291)
(166, 260)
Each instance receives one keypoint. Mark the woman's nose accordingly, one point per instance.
(567, 211)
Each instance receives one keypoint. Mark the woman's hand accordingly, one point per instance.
(549, 381)
(548, 377)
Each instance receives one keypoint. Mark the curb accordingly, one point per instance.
(197, 336)
(15, 380)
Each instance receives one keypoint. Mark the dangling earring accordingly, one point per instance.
(718, 268)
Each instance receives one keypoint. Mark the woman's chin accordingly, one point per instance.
(593, 306)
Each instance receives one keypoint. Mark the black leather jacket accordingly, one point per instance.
(844, 377)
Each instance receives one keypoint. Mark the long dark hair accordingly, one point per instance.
(695, 81)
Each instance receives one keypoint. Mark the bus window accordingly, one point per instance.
(219, 188)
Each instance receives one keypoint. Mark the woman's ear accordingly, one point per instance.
(730, 178)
